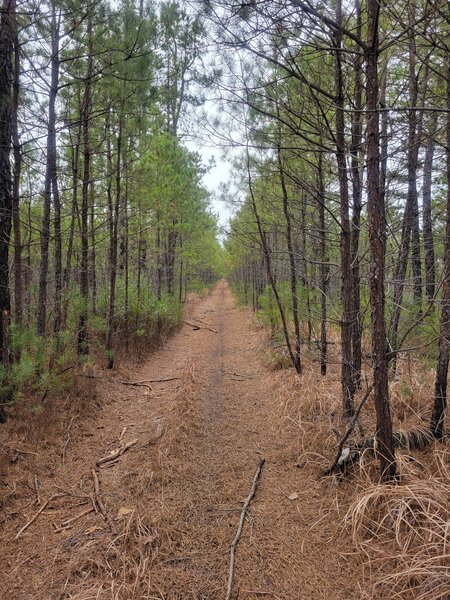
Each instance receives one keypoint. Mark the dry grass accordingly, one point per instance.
(404, 531)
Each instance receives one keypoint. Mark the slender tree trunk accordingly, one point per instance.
(50, 175)
(93, 270)
(347, 296)
(159, 269)
(357, 179)
(74, 213)
(7, 19)
(172, 239)
(440, 393)
(18, 293)
(83, 342)
(270, 272)
(113, 233)
(415, 121)
(304, 266)
(428, 242)
(58, 255)
(377, 241)
(293, 270)
(323, 269)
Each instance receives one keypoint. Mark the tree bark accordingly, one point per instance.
(377, 241)
(83, 342)
(113, 219)
(357, 180)
(347, 378)
(18, 289)
(50, 175)
(440, 392)
(293, 271)
(428, 241)
(323, 269)
(7, 18)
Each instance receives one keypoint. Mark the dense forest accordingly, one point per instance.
(105, 221)
(333, 123)
(346, 222)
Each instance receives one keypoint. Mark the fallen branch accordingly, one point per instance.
(346, 435)
(66, 441)
(161, 380)
(116, 453)
(35, 516)
(68, 522)
(194, 326)
(135, 384)
(18, 450)
(98, 499)
(237, 537)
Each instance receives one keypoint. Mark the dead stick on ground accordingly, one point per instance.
(98, 499)
(36, 487)
(18, 450)
(35, 516)
(162, 380)
(237, 537)
(76, 517)
(66, 441)
(116, 453)
(350, 428)
(135, 384)
(198, 326)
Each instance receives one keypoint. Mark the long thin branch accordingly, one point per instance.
(35, 516)
(237, 537)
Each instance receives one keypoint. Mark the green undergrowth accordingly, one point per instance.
(42, 365)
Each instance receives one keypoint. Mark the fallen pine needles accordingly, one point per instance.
(237, 537)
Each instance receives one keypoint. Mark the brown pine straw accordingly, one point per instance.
(404, 531)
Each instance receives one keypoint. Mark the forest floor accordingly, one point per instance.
(172, 500)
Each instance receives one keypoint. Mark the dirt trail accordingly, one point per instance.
(173, 499)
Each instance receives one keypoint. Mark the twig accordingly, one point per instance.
(202, 321)
(35, 516)
(121, 381)
(237, 537)
(346, 435)
(98, 498)
(116, 453)
(36, 487)
(18, 450)
(67, 440)
(134, 384)
(162, 380)
(75, 518)
(194, 326)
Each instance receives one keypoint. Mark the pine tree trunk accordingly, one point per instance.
(83, 341)
(18, 289)
(440, 393)
(113, 219)
(428, 242)
(414, 136)
(50, 176)
(323, 268)
(293, 271)
(347, 379)
(7, 18)
(270, 272)
(357, 180)
(377, 241)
